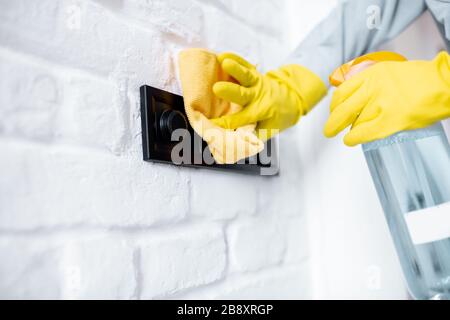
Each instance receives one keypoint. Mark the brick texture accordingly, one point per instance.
(81, 215)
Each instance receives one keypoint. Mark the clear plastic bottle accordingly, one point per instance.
(411, 172)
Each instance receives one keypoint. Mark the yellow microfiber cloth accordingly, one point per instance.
(199, 69)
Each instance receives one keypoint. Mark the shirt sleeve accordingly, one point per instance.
(353, 28)
(440, 9)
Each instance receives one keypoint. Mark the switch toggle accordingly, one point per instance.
(170, 121)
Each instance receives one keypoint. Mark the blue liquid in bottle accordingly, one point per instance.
(411, 172)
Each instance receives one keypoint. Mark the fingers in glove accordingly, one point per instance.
(242, 74)
(233, 92)
(233, 121)
(345, 91)
(364, 132)
(345, 114)
(235, 57)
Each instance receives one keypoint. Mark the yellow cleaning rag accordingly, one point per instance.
(199, 69)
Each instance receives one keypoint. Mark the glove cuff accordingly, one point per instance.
(305, 83)
(442, 61)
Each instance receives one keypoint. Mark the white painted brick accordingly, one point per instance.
(93, 116)
(282, 195)
(180, 261)
(70, 76)
(223, 33)
(223, 195)
(44, 103)
(83, 35)
(28, 101)
(182, 18)
(224, 5)
(41, 268)
(44, 187)
(257, 46)
(256, 244)
(114, 5)
(291, 282)
(287, 283)
(265, 15)
(98, 269)
(29, 270)
(297, 240)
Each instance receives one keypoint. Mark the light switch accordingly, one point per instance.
(162, 114)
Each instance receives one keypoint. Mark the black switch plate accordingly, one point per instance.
(163, 112)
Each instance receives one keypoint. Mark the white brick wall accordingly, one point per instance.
(81, 215)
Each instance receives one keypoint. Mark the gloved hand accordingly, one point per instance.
(275, 100)
(389, 97)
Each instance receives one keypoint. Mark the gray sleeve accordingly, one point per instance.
(440, 9)
(353, 28)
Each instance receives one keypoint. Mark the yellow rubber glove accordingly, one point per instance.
(275, 101)
(389, 97)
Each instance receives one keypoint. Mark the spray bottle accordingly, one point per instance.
(411, 173)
